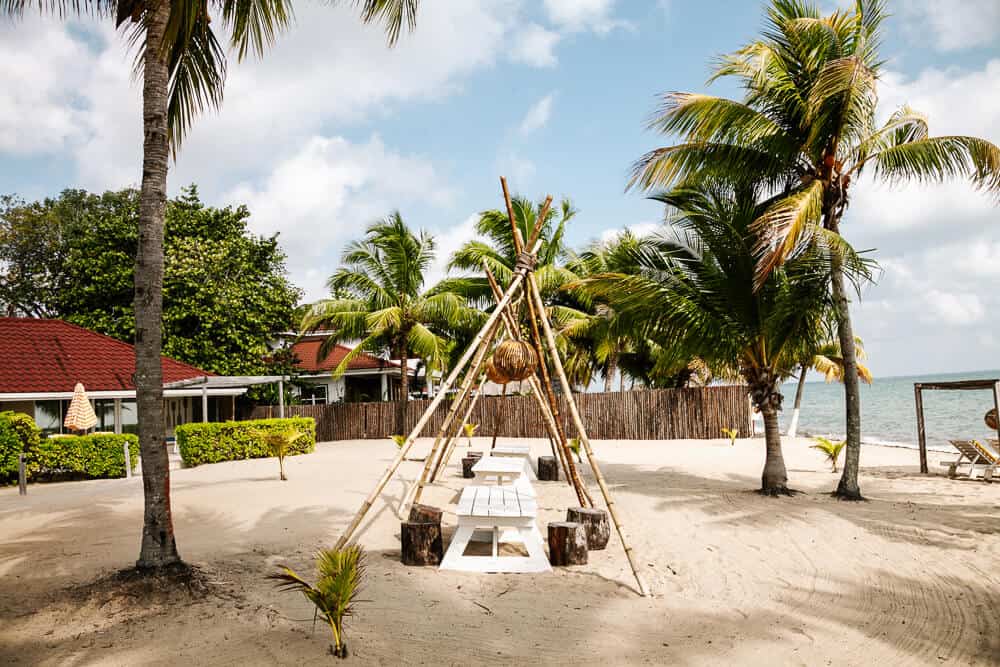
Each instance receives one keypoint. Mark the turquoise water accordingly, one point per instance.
(888, 414)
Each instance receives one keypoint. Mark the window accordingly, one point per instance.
(313, 394)
(49, 416)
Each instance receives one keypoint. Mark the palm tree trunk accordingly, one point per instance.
(848, 489)
(609, 374)
(793, 426)
(158, 547)
(774, 479)
(281, 467)
(404, 392)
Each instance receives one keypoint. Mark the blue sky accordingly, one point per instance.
(332, 130)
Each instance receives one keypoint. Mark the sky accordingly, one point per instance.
(332, 130)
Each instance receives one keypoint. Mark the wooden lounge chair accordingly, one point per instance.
(976, 455)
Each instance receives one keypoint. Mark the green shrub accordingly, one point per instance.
(213, 442)
(95, 456)
(18, 433)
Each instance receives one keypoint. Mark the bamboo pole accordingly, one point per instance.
(450, 445)
(470, 376)
(445, 386)
(547, 416)
(550, 338)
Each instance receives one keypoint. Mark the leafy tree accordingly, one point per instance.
(182, 67)
(382, 303)
(807, 127)
(225, 289)
(694, 292)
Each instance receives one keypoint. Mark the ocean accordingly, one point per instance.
(888, 413)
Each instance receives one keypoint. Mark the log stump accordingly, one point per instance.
(424, 514)
(548, 469)
(467, 464)
(595, 522)
(567, 543)
(421, 543)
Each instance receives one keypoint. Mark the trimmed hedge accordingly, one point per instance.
(95, 456)
(18, 433)
(213, 442)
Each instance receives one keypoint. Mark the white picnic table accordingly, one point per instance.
(511, 450)
(496, 508)
(501, 469)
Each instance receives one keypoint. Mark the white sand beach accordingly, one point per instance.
(910, 577)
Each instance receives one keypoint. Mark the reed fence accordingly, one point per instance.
(648, 414)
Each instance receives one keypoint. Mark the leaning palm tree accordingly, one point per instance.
(381, 302)
(829, 361)
(182, 65)
(694, 292)
(807, 127)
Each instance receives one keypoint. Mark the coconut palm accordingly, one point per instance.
(807, 127)
(382, 303)
(336, 590)
(831, 449)
(694, 292)
(182, 65)
(280, 443)
(829, 361)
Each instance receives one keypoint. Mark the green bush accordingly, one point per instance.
(18, 433)
(95, 456)
(213, 442)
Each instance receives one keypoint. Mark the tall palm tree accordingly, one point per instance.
(828, 360)
(380, 301)
(694, 291)
(182, 66)
(807, 127)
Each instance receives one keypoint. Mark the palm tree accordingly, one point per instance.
(807, 127)
(694, 292)
(183, 67)
(829, 361)
(381, 302)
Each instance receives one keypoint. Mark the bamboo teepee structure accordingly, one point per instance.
(502, 325)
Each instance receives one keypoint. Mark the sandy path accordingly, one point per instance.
(911, 577)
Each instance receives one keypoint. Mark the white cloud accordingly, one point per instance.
(953, 24)
(519, 170)
(955, 309)
(327, 193)
(537, 116)
(579, 15)
(535, 46)
(448, 240)
(639, 229)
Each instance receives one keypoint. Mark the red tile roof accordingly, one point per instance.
(53, 355)
(307, 351)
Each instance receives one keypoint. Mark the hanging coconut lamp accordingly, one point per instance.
(516, 359)
(991, 419)
(494, 375)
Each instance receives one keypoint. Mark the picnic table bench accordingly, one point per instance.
(492, 509)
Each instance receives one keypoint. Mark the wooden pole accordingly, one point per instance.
(445, 386)
(450, 445)
(470, 376)
(550, 338)
(996, 406)
(918, 396)
(550, 419)
(496, 417)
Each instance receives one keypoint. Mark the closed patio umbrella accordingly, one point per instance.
(80, 415)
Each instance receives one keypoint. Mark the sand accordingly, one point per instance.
(910, 577)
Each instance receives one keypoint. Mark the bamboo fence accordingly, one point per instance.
(648, 414)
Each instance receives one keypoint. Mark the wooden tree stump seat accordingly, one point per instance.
(421, 543)
(548, 469)
(567, 543)
(595, 521)
(424, 514)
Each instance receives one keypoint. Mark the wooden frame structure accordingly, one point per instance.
(958, 385)
(502, 322)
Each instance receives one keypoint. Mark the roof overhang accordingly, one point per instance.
(124, 393)
(226, 381)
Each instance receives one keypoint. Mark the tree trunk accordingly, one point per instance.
(793, 426)
(158, 547)
(774, 480)
(281, 467)
(609, 374)
(848, 489)
(404, 392)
